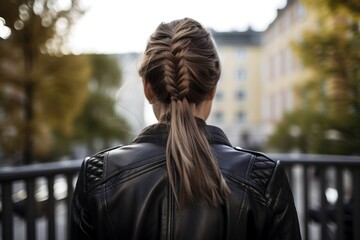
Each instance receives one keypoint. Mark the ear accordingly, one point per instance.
(149, 93)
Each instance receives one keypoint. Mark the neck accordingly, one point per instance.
(200, 110)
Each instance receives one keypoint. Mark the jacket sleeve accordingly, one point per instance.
(282, 223)
(81, 226)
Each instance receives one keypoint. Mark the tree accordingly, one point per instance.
(99, 120)
(348, 7)
(333, 92)
(306, 132)
(41, 90)
(99, 124)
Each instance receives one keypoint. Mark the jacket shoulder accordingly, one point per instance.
(94, 166)
(260, 170)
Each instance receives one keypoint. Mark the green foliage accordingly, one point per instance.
(99, 119)
(307, 132)
(99, 124)
(349, 7)
(39, 24)
(331, 98)
(41, 90)
(106, 72)
(63, 91)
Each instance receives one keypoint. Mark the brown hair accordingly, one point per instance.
(182, 66)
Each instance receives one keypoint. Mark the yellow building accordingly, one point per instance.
(260, 76)
(236, 108)
(282, 70)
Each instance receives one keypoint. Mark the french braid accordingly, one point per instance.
(182, 67)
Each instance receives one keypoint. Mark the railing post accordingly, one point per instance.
(51, 208)
(340, 204)
(356, 203)
(323, 204)
(70, 191)
(306, 205)
(29, 174)
(7, 211)
(31, 208)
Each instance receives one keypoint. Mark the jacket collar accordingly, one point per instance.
(158, 134)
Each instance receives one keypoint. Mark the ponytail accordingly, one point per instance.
(182, 66)
(193, 172)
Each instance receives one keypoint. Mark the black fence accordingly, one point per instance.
(327, 194)
(35, 199)
(31, 195)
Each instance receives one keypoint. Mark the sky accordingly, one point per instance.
(114, 26)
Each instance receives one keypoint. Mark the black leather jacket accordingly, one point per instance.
(123, 193)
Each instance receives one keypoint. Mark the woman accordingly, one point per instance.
(181, 178)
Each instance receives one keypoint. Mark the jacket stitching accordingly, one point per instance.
(122, 179)
(271, 176)
(136, 165)
(250, 167)
(249, 189)
(238, 216)
(106, 157)
(244, 182)
(105, 178)
(108, 215)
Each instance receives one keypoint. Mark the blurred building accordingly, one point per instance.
(130, 98)
(258, 85)
(260, 75)
(237, 106)
(282, 71)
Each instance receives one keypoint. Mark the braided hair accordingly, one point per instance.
(182, 66)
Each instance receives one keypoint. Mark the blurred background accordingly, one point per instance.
(68, 72)
(290, 86)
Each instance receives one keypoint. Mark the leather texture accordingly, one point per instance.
(123, 193)
(94, 169)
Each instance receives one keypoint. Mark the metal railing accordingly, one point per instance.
(33, 192)
(326, 191)
(327, 194)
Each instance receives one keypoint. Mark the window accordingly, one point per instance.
(218, 116)
(240, 117)
(240, 95)
(287, 21)
(271, 67)
(240, 54)
(219, 96)
(300, 11)
(241, 74)
(288, 61)
(277, 65)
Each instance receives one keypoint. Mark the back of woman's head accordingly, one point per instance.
(181, 61)
(182, 66)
